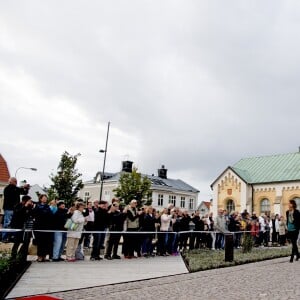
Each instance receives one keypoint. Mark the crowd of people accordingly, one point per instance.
(144, 231)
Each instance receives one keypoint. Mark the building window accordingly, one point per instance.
(297, 200)
(182, 202)
(191, 204)
(106, 195)
(265, 206)
(160, 201)
(230, 206)
(172, 199)
(86, 196)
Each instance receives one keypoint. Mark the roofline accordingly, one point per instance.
(165, 188)
(228, 168)
(270, 182)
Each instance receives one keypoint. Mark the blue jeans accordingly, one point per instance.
(59, 243)
(7, 219)
(219, 241)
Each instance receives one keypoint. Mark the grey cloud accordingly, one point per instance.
(199, 84)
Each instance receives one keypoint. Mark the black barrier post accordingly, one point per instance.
(228, 246)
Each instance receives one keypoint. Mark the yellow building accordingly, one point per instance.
(261, 184)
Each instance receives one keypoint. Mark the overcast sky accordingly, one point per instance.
(194, 85)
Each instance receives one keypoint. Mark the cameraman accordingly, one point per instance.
(12, 195)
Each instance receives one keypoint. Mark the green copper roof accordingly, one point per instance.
(274, 168)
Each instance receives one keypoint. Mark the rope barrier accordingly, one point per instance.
(10, 230)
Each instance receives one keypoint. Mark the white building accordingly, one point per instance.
(164, 190)
(204, 208)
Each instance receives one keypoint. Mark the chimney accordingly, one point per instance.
(162, 172)
(127, 166)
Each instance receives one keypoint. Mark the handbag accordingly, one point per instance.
(71, 225)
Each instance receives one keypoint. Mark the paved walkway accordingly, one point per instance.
(274, 279)
(49, 277)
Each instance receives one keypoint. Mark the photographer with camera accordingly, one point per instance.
(12, 195)
(22, 219)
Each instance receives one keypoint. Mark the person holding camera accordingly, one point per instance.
(116, 222)
(12, 195)
(22, 219)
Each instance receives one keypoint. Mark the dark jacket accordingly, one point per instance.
(101, 219)
(60, 219)
(185, 223)
(12, 195)
(43, 217)
(148, 223)
(199, 223)
(116, 221)
(21, 215)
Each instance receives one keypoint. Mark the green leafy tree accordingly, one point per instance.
(67, 182)
(134, 186)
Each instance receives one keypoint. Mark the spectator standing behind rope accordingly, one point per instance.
(22, 219)
(148, 225)
(293, 226)
(100, 224)
(73, 236)
(89, 226)
(12, 195)
(165, 219)
(220, 226)
(132, 221)
(60, 236)
(282, 231)
(43, 221)
(116, 222)
(184, 226)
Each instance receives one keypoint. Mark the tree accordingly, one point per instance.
(134, 186)
(67, 182)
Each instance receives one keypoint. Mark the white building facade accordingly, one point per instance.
(164, 190)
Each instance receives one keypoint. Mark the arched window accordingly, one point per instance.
(230, 206)
(265, 206)
(297, 199)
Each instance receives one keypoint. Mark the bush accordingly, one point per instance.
(247, 243)
(10, 272)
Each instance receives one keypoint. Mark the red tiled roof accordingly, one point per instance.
(4, 173)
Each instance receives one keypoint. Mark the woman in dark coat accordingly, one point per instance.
(293, 226)
(43, 221)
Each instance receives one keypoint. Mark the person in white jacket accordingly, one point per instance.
(165, 220)
(73, 236)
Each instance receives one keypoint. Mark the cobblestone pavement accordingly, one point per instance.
(273, 279)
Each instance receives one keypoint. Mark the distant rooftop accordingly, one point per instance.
(4, 172)
(273, 168)
(158, 183)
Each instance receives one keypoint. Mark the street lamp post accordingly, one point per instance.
(32, 169)
(104, 160)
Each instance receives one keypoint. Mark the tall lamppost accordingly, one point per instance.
(32, 169)
(104, 160)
